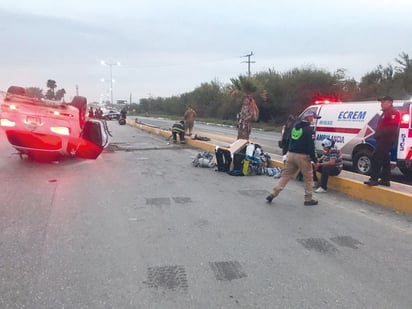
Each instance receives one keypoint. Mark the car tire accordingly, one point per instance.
(362, 161)
(16, 90)
(81, 104)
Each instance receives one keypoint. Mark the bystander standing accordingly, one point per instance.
(286, 129)
(189, 118)
(385, 134)
(91, 112)
(248, 114)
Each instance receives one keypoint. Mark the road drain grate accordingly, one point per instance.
(167, 278)
(181, 200)
(318, 244)
(158, 201)
(227, 271)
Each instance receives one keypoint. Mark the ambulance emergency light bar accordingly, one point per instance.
(325, 100)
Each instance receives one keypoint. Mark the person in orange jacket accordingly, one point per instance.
(189, 119)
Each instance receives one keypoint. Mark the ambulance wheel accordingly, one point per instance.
(362, 161)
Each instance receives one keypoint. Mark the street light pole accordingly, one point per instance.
(111, 83)
(111, 76)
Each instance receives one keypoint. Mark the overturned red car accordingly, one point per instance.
(46, 129)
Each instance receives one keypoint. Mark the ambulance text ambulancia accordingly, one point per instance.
(352, 126)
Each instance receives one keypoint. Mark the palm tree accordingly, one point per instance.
(51, 84)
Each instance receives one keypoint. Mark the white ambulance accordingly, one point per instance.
(352, 126)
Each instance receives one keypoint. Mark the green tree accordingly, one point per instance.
(60, 94)
(206, 99)
(403, 74)
(377, 83)
(34, 92)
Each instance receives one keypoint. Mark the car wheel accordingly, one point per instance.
(81, 104)
(362, 161)
(16, 90)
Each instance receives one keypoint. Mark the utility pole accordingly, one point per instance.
(248, 62)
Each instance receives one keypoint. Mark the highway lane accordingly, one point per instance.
(225, 134)
(141, 228)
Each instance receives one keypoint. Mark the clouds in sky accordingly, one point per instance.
(170, 47)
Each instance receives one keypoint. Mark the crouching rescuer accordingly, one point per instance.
(179, 129)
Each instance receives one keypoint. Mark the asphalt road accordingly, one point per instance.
(140, 227)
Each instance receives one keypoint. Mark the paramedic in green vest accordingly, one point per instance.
(301, 157)
(179, 129)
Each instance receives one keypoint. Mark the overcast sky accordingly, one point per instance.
(168, 48)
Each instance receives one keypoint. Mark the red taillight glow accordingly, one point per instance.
(6, 123)
(405, 120)
(60, 130)
(8, 106)
(57, 113)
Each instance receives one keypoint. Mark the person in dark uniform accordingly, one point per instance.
(385, 134)
(301, 157)
(179, 129)
(123, 113)
(287, 128)
(91, 112)
(98, 113)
